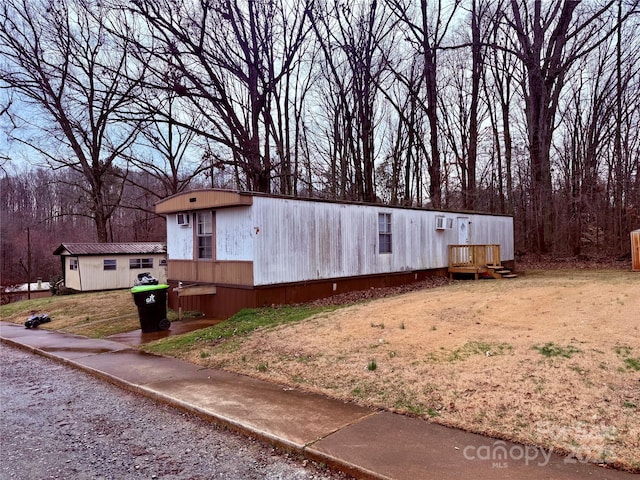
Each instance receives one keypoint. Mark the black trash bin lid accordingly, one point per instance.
(149, 288)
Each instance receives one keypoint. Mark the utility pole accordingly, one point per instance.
(28, 263)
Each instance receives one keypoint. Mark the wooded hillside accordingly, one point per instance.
(503, 106)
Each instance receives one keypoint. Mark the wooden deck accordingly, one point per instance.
(477, 260)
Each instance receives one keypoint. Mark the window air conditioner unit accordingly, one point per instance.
(183, 219)
(444, 223)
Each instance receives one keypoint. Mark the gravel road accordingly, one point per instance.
(61, 423)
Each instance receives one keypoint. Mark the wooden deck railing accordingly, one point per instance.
(473, 258)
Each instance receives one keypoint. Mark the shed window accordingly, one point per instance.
(135, 263)
(384, 233)
(73, 264)
(109, 264)
(204, 234)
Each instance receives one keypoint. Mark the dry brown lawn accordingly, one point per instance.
(94, 314)
(551, 359)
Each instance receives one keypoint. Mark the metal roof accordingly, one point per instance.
(24, 287)
(110, 248)
(212, 198)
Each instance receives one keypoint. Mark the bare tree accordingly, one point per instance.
(551, 37)
(501, 75)
(167, 150)
(355, 40)
(426, 31)
(626, 204)
(231, 56)
(478, 39)
(407, 151)
(5, 120)
(59, 59)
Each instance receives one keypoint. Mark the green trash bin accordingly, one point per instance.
(151, 301)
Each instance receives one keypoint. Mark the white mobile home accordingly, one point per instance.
(229, 250)
(109, 266)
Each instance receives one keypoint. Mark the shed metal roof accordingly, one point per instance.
(110, 248)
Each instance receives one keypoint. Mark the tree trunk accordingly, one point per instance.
(431, 85)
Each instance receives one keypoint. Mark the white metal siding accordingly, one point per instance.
(297, 240)
(234, 234)
(487, 230)
(179, 238)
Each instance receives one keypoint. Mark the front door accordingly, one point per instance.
(464, 231)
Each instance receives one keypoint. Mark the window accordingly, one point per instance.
(204, 234)
(384, 233)
(73, 264)
(109, 264)
(183, 219)
(135, 263)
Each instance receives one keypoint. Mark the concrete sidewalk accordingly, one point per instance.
(363, 442)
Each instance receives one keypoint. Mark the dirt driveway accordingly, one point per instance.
(551, 359)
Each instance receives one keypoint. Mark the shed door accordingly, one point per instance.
(635, 250)
(464, 233)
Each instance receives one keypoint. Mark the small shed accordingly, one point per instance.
(635, 250)
(110, 266)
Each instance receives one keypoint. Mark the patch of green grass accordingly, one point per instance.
(372, 366)
(405, 401)
(363, 390)
(479, 348)
(262, 367)
(240, 325)
(417, 409)
(550, 349)
(305, 358)
(632, 363)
